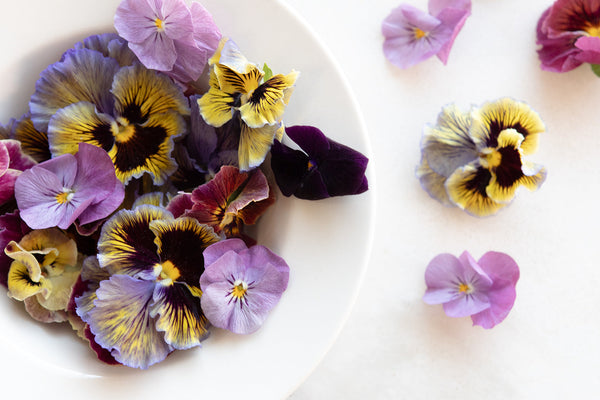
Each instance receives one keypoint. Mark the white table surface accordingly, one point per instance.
(394, 346)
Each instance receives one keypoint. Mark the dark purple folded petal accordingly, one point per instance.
(289, 167)
(343, 170)
(310, 139)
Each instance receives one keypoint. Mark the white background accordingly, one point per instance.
(396, 347)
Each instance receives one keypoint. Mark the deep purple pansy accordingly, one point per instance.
(70, 187)
(484, 289)
(241, 285)
(412, 35)
(324, 168)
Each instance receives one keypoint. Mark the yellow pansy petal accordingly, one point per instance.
(267, 103)
(255, 144)
(466, 188)
(216, 107)
(20, 283)
(494, 117)
(26, 258)
(33, 142)
(52, 238)
(504, 192)
(60, 293)
(231, 81)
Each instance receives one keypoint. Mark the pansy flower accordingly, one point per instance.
(569, 35)
(238, 90)
(34, 143)
(483, 290)
(150, 305)
(168, 36)
(412, 35)
(43, 273)
(323, 168)
(227, 202)
(241, 285)
(475, 160)
(12, 229)
(109, 45)
(146, 113)
(59, 191)
(12, 164)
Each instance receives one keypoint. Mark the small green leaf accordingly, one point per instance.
(596, 69)
(268, 72)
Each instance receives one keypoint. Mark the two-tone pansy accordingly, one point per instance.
(475, 160)
(228, 202)
(67, 188)
(43, 273)
(131, 112)
(240, 90)
(569, 35)
(150, 304)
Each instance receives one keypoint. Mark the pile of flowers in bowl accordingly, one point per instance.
(128, 185)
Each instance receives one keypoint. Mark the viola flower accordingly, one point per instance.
(237, 86)
(12, 229)
(43, 273)
(324, 168)
(34, 143)
(168, 36)
(12, 164)
(475, 160)
(241, 285)
(150, 305)
(412, 35)
(227, 202)
(109, 45)
(137, 133)
(484, 289)
(59, 191)
(569, 35)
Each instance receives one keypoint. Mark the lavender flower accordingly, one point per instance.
(59, 191)
(241, 285)
(412, 35)
(484, 289)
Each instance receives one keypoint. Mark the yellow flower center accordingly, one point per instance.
(419, 33)
(159, 25)
(593, 30)
(490, 158)
(126, 132)
(169, 271)
(65, 196)
(239, 289)
(465, 288)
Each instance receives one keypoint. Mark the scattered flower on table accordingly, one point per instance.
(241, 285)
(475, 160)
(484, 290)
(412, 36)
(569, 35)
(130, 180)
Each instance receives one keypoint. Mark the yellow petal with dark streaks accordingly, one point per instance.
(466, 188)
(20, 282)
(504, 194)
(33, 142)
(267, 103)
(231, 81)
(216, 107)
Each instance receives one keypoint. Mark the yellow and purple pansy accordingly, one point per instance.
(476, 160)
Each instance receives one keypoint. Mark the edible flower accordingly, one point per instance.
(43, 273)
(412, 35)
(168, 36)
(12, 163)
(241, 285)
(238, 91)
(475, 160)
(59, 191)
(484, 289)
(150, 304)
(322, 168)
(569, 35)
(12, 228)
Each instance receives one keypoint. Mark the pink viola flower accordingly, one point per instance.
(12, 163)
(412, 35)
(569, 35)
(168, 36)
(484, 289)
(241, 285)
(82, 187)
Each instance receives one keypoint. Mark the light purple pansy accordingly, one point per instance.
(241, 285)
(70, 187)
(412, 35)
(484, 289)
(12, 163)
(168, 36)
